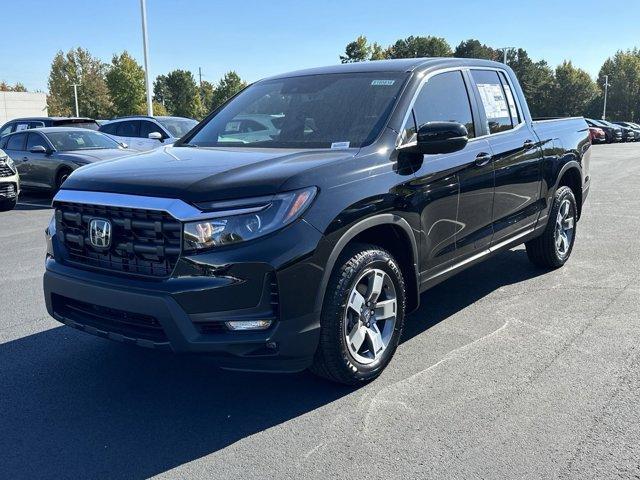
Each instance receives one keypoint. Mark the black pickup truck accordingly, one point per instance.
(296, 226)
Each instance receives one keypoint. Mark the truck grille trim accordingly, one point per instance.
(108, 321)
(5, 170)
(144, 242)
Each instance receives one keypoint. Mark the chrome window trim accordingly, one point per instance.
(462, 69)
(177, 208)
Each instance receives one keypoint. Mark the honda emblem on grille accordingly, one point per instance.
(100, 233)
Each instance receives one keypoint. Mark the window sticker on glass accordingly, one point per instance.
(382, 83)
(22, 126)
(340, 145)
(495, 104)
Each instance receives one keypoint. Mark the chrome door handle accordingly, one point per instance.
(25, 159)
(482, 159)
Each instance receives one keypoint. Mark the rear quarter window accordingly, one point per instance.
(494, 100)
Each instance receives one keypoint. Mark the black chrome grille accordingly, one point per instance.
(143, 242)
(5, 170)
(109, 320)
(7, 190)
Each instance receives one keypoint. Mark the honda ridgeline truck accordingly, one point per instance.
(296, 226)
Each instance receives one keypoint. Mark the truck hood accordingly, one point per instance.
(201, 174)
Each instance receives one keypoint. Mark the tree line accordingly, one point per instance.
(117, 88)
(563, 91)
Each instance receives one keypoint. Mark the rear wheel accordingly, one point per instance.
(362, 316)
(553, 248)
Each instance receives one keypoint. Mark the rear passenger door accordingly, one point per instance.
(517, 157)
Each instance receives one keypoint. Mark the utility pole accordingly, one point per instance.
(200, 75)
(505, 50)
(75, 95)
(145, 41)
(606, 91)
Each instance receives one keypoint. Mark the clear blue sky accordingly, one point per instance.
(258, 38)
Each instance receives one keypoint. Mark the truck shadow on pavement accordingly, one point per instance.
(75, 406)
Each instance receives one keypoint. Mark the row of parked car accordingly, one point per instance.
(41, 152)
(602, 131)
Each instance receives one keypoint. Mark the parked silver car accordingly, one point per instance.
(146, 133)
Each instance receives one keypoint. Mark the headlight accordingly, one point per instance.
(251, 220)
(7, 159)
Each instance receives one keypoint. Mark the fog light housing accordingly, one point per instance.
(249, 324)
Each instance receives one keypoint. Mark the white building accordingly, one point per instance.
(22, 104)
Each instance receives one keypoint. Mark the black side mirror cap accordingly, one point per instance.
(441, 137)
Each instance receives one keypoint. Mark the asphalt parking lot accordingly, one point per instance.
(506, 371)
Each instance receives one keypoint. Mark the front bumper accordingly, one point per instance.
(9, 187)
(275, 277)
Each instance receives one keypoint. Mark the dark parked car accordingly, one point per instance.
(19, 124)
(613, 133)
(45, 157)
(634, 127)
(308, 248)
(628, 134)
(146, 133)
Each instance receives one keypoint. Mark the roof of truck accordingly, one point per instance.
(395, 65)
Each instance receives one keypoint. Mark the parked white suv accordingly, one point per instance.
(9, 183)
(146, 133)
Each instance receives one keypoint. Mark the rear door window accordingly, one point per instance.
(109, 128)
(17, 141)
(494, 100)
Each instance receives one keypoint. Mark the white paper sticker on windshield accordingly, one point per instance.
(340, 145)
(382, 82)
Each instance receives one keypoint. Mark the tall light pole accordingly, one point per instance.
(505, 50)
(606, 91)
(75, 95)
(145, 41)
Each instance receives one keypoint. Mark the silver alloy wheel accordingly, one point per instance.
(370, 316)
(565, 223)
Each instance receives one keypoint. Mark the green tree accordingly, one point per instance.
(79, 67)
(18, 87)
(226, 88)
(125, 81)
(574, 91)
(206, 97)
(474, 49)
(378, 53)
(537, 81)
(178, 92)
(415, 47)
(623, 99)
(357, 51)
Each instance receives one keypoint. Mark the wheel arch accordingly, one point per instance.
(570, 175)
(397, 236)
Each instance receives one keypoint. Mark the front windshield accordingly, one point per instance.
(80, 140)
(317, 111)
(177, 127)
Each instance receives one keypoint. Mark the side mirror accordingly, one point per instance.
(441, 137)
(39, 149)
(155, 136)
(124, 145)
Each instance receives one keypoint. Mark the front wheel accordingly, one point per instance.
(553, 248)
(362, 316)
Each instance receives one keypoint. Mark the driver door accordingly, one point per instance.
(42, 167)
